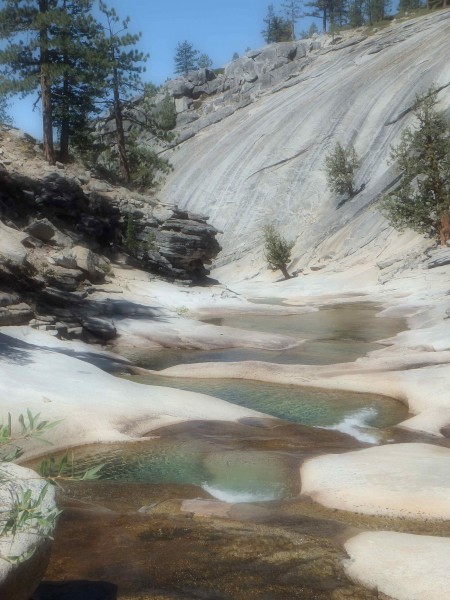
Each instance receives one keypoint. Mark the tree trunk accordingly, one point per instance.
(331, 15)
(64, 134)
(324, 19)
(124, 169)
(47, 113)
(283, 269)
(444, 228)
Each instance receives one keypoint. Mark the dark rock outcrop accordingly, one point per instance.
(180, 245)
(59, 231)
(100, 328)
(41, 229)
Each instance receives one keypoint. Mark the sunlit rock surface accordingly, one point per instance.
(265, 162)
(403, 566)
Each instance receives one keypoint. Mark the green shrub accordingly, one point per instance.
(277, 250)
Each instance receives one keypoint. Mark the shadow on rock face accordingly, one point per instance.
(75, 590)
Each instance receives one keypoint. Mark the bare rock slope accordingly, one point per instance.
(255, 141)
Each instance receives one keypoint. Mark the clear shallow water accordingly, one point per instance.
(226, 470)
(356, 322)
(226, 473)
(333, 335)
(308, 406)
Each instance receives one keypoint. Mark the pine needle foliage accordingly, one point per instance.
(25, 56)
(186, 58)
(204, 62)
(422, 199)
(340, 166)
(277, 250)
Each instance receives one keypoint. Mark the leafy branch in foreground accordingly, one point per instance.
(26, 513)
(30, 428)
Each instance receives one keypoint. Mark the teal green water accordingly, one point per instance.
(333, 335)
(228, 474)
(309, 406)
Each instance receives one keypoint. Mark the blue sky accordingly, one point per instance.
(216, 27)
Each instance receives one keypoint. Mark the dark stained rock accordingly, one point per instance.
(7, 298)
(61, 298)
(101, 328)
(42, 230)
(64, 279)
(75, 590)
(183, 244)
(15, 314)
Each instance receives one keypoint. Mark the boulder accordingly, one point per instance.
(64, 279)
(63, 259)
(101, 328)
(12, 251)
(41, 229)
(15, 314)
(8, 298)
(182, 104)
(18, 580)
(180, 87)
(200, 77)
(79, 257)
(94, 265)
(187, 244)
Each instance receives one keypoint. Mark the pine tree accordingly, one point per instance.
(310, 32)
(204, 62)
(79, 83)
(167, 115)
(26, 61)
(267, 33)
(122, 64)
(277, 28)
(319, 9)
(293, 12)
(405, 5)
(277, 250)
(340, 166)
(356, 13)
(422, 200)
(186, 58)
(376, 10)
(5, 117)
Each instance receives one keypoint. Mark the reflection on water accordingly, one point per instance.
(333, 335)
(357, 322)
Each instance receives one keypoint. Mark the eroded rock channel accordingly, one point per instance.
(211, 509)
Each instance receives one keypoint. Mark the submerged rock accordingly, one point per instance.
(75, 590)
